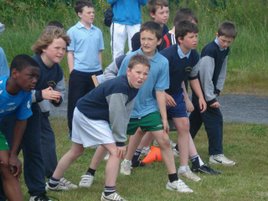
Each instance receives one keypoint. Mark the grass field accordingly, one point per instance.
(247, 181)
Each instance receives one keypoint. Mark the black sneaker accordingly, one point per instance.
(41, 197)
(138, 164)
(206, 170)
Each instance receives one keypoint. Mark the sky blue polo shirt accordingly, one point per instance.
(157, 80)
(86, 45)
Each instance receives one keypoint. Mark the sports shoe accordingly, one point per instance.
(112, 197)
(206, 170)
(179, 186)
(59, 187)
(221, 159)
(67, 184)
(86, 181)
(125, 167)
(176, 152)
(41, 197)
(189, 174)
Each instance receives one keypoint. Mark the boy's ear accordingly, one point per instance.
(159, 41)
(14, 73)
(217, 34)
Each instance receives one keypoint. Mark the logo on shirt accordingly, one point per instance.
(28, 105)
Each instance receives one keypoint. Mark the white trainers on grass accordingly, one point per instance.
(68, 184)
(125, 167)
(221, 159)
(86, 181)
(179, 186)
(189, 174)
(112, 197)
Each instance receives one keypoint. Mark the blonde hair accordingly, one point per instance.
(47, 36)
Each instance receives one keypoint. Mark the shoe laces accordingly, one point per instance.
(65, 181)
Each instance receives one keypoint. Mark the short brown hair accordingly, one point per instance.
(154, 4)
(138, 59)
(47, 36)
(80, 4)
(227, 28)
(152, 27)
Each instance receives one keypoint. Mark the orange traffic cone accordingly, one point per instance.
(153, 155)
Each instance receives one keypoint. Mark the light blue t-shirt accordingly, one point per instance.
(86, 45)
(4, 69)
(20, 104)
(157, 80)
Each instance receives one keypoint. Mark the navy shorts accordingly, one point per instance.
(180, 109)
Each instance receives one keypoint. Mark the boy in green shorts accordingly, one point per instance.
(149, 113)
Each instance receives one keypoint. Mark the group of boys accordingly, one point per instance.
(147, 91)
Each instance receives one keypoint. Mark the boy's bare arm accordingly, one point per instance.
(195, 84)
(161, 100)
(14, 162)
(100, 57)
(70, 60)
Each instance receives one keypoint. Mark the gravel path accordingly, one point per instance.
(235, 108)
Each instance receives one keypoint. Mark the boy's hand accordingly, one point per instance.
(189, 105)
(50, 94)
(121, 151)
(170, 101)
(165, 125)
(202, 104)
(215, 105)
(14, 165)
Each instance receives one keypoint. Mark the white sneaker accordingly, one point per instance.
(189, 174)
(68, 184)
(221, 159)
(112, 197)
(125, 167)
(59, 187)
(86, 181)
(41, 197)
(179, 186)
(176, 153)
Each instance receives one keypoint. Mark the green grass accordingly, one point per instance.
(247, 181)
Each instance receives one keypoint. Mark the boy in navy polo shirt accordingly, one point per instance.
(101, 118)
(183, 64)
(212, 74)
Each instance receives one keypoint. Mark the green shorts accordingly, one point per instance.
(3, 142)
(150, 122)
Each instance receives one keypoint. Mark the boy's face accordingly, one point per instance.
(137, 75)
(225, 41)
(149, 42)
(87, 15)
(27, 78)
(161, 15)
(189, 42)
(54, 52)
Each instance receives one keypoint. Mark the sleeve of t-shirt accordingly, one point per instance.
(24, 111)
(163, 77)
(71, 46)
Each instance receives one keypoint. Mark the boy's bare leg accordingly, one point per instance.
(97, 157)
(11, 184)
(163, 140)
(192, 148)
(146, 140)
(112, 165)
(67, 159)
(133, 143)
(182, 126)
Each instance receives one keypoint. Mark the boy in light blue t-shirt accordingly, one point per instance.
(84, 55)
